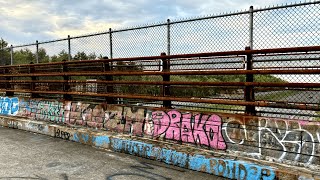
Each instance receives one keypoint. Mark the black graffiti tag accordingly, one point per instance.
(62, 134)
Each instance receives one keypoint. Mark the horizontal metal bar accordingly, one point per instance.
(89, 35)
(210, 101)
(139, 27)
(289, 113)
(205, 63)
(258, 84)
(210, 17)
(287, 60)
(287, 6)
(142, 73)
(287, 67)
(43, 42)
(287, 54)
(202, 69)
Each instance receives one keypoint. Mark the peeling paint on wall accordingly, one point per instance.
(102, 141)
(34, 127)
(40, 109)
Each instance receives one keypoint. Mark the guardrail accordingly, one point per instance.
(233, 79)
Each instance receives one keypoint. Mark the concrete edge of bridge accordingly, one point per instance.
(190, 157)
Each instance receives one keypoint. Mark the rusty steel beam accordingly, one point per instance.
(143, 73)
(194, 100)
(225, 53)
(288, 67)
(191, 83)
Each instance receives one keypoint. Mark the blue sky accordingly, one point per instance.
(27, 21)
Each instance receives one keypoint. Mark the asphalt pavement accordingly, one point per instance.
(25, 155)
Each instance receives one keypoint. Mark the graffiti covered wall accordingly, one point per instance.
(9, 106)
(291, 142)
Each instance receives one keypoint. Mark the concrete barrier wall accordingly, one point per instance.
(265, 145)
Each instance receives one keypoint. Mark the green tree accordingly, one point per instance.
(92, 56)
(23, 56)
(81, 56)
(63, 55)
(4, 53)
(42, 55)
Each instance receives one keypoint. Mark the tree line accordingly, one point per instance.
(26, 56)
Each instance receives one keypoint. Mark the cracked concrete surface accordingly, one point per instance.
(25, 155)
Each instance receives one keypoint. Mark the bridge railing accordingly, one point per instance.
(266, 82)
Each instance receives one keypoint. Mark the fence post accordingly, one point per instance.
(37, 52)
(8, 85)
(165, 88)
(110, 43)
(69, 48)
(66, 86)
(33, 78)
(251, 27)
(11, 54)
(168, 37)
(249, 91)
(108, 68)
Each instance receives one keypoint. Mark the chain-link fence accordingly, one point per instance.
(274, 27)
(294, 25)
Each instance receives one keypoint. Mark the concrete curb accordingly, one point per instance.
(216, 163)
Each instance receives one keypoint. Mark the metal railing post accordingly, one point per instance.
(108, 68)
(251, 27)
(33, 85)
(249, 91)
(168, 37)
(11, 54)
(69, 49)
(110, 43)
(37, 52)
(8, 84)
(66, 86)
(165, 88)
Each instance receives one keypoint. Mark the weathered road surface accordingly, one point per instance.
(25, 155)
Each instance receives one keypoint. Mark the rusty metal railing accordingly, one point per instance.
(217, 80)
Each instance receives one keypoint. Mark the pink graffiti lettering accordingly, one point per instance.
(198, 129)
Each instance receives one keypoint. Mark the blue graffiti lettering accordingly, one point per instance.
(230, 168)
(221, 167)
(75, 137)
(9, 106)
(102, 140)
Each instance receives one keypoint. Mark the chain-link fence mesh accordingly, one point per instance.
(150, 41)
(90, 47)
(276, 27)
(24, 54)
(287, 27)
(223, 33)
(56, 51)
